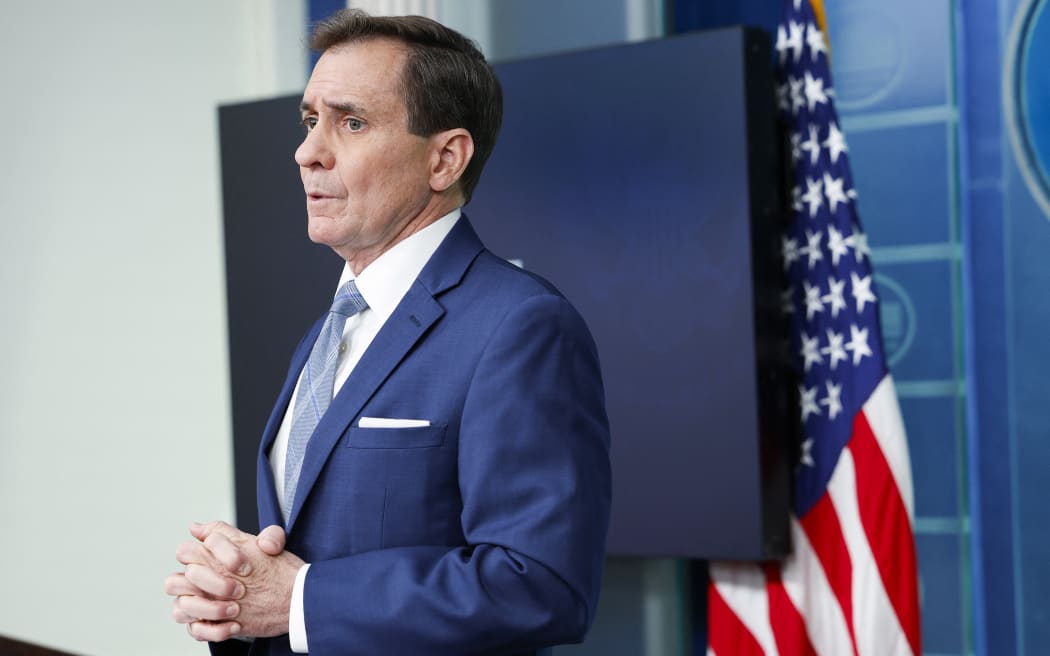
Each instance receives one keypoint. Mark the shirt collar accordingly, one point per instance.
(385, 281)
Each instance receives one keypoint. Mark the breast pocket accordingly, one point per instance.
(418, 437)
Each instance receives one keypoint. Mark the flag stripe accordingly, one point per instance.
(877, 631)
(884, 416)
(810, 592)
(789, 629)
(726, 633)
(885, 520)
(743, 588)
(824, 532)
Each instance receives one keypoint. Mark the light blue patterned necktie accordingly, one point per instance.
(316, 385)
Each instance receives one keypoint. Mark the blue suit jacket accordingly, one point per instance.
(483, 533)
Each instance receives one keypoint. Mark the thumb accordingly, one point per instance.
(271, 540)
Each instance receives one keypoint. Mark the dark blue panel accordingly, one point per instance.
(889, 55)
(941, 593)
(916, 312)
(901, 176)
(637, 202)
(934, 443)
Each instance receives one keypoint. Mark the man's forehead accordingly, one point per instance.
(383, 55)
(349, 73)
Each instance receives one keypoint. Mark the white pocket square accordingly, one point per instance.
(384, 422)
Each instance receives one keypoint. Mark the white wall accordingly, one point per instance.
(114, 407)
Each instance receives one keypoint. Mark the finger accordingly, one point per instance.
(207, 609)
(271, 540)
(202, 531)
(213, 631)
(228, 554)
(180, 616)
(177, 584)
(212, 584)
(191, 551)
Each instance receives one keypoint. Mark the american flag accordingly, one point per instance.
(850, 585)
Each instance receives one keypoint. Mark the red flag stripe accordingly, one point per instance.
(887, 527)
(726, 634)
(789, 628)
(824, 531)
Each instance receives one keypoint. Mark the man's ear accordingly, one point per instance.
(452, 151)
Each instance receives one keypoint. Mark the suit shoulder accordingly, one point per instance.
(512, 280)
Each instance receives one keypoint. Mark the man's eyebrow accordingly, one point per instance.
(344, 107)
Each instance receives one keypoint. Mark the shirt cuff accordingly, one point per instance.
(296, 616)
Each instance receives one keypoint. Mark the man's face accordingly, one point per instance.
(366, 178)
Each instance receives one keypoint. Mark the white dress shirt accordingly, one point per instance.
(382, 284)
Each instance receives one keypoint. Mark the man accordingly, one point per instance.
(454, 496)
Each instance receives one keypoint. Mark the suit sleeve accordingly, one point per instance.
(535, 484)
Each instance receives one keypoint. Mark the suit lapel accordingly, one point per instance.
(414, 315)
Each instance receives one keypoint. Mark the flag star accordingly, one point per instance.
(813, 302)
(809, 402)
(794, 39)
(807, 453)
(814, 196)
(796, 146)
(798, 4)
(798, 99)
(781, 44)
(815, 91)
(790, 39)
(812, 248)
(835, 349)
(796, 198)
(862, 291)
(833, 400)
(858, 343)
(812, 146)
(815, 41)
(837, 244)
(789, 251)
(860, 244)
(787, 303)
(833, 190)
(835, 143)
(810, 353)
(835, 297)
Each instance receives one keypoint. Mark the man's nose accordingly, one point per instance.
(314, 151)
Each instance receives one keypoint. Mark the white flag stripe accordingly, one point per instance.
(743, 587)
(808, 588)
(884, 417)
(875, 622)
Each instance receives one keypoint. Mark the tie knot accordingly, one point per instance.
(348, 301)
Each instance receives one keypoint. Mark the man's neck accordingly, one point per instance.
(437, 207)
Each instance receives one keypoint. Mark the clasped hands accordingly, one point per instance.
(234, 584)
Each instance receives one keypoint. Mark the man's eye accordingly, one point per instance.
(355, 125)
(309, 123)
